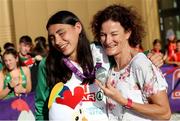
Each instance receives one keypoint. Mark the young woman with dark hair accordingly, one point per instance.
(70, 64)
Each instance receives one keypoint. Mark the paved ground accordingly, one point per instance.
(175, 117)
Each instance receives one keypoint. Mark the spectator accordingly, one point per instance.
(157, 46)
(15, 79)
(40, 51)
(25, 47)
(175, 60)
(171, 46)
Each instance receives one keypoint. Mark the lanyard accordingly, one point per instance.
(76, 71)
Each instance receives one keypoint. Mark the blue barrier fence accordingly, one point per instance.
(172, 75)
(18, 108)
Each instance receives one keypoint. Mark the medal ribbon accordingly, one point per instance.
(76, 71)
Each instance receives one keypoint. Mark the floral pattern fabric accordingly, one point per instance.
(137, 81)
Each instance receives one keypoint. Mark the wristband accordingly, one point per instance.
(129, 104)
(10, 88)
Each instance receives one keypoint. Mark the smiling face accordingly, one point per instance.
(10, 61)
(157, 46)
(24, 49)
(64, 38)
(113, 37)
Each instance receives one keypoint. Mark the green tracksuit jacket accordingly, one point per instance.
(42, 93)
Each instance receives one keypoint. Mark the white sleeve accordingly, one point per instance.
(149, 77)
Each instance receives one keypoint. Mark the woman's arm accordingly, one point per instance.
(158, 108)
(3, 92)
(153, 86)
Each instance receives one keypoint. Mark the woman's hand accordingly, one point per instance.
(13, 83)
(112, 92)
(18, 89)
(38, 57)
(156, 58)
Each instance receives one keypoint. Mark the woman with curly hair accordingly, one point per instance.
(136, 89)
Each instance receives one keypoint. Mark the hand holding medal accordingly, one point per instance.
(101, 74)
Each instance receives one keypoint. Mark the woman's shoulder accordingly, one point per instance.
(25, 69)
(140, 61)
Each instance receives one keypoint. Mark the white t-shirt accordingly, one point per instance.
(81, 102)
(137, 81)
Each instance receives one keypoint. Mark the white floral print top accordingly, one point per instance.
(137, 81)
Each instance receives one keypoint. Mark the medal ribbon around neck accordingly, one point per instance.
(75, 70)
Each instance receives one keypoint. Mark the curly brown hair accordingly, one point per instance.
(126, 16)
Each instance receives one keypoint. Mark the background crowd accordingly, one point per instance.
(20, 65)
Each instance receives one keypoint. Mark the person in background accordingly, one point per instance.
(25, 47)
(157, 46)
(135, 87)
(176, 58)
(14, 78)
(39, 51)
(7, 45)
(171, 46)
